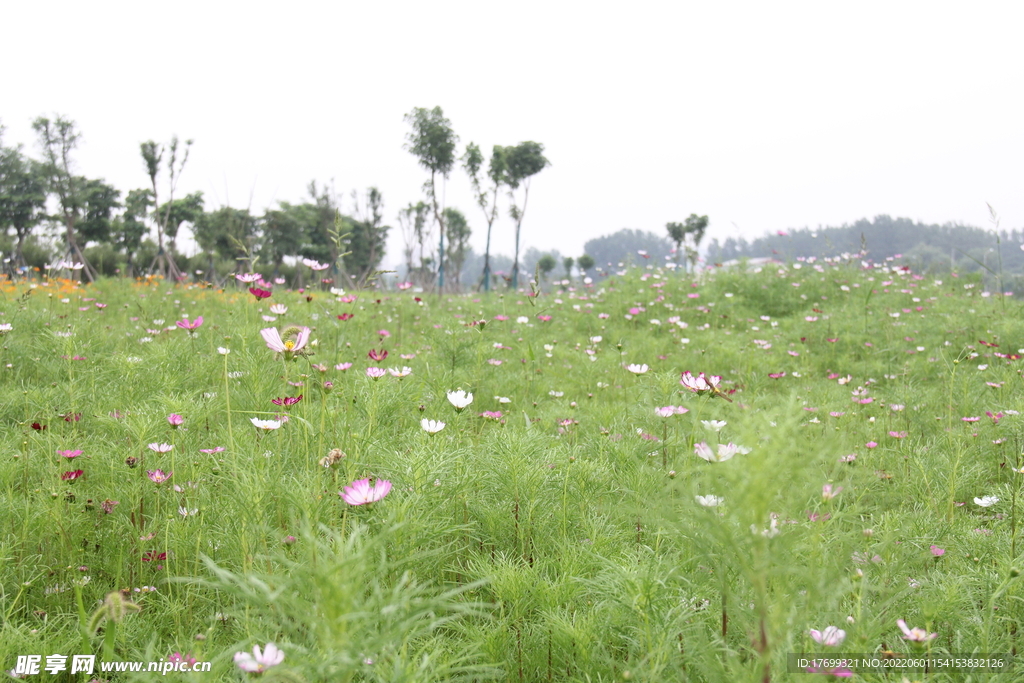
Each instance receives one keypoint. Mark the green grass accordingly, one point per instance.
(562, 542)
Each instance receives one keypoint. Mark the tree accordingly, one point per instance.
(367, 238)
(487, 200)
(129, 230)
(676, 233)
(152, 155)
(458, 241)
(58, 139)
(178, 211)
(567, 264)
(616, 248)
(522, 162)
(433, 142)
(284, 229)
(695, 227)
(413, 220)
(585, 262)
(100, 201)
(319, 242)
(22, 197)
(228, 232)
(545, 265)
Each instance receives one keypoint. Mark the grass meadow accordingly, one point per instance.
(857, 467)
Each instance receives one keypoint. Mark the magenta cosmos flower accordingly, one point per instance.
(175, 420)
(70, 454)
(259, 660)
(190, 325)
(289, 347)
(361, 492)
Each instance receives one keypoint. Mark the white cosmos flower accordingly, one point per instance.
(725, 451)
(404, 372)
(714, 424)
(431, 426)
(522, 320)
(986, 501)
(223, 351)
(710, 501)
(266, 425)
(459, 398)
(637, 369)
(502, 399)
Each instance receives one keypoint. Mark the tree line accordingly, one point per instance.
(52, 217)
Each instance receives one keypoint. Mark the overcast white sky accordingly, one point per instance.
(764, 116)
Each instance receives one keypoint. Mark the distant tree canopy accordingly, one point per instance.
(935, 247)
(624, 245)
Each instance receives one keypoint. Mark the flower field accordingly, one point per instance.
(651, 478)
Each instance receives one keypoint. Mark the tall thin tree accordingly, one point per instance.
(522, 162)
(433, 142)
(58, 139)
(487, 200)
(152, 156)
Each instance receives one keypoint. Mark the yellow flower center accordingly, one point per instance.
(289, 345)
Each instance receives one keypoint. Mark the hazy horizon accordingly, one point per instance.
(763, 118)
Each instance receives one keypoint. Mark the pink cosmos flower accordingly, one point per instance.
(970, 419)
(259, 293)
(937, 551)
(218, 449)
(700, 384)
(383, 333)
(161, 447)
(286, 401)
(377, 356)
(274, 342)
(871, 444)
(248, 278)
(70, 454)
(831, 636)
(898, 435)
(361, 491)
(491, 414)
(175, 420)
(71, 476)
(259, 661)
(828, 493)
(158, 476)
(376, 373)
(342, 366)
(669, 411)
(917, 635)
(315, 265)
(190, 325)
